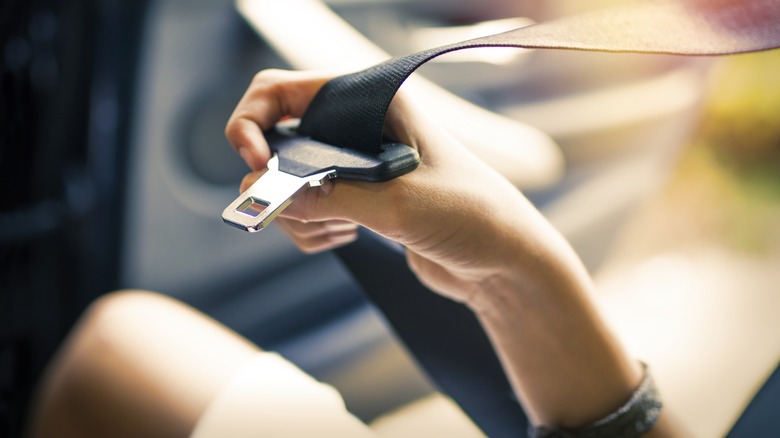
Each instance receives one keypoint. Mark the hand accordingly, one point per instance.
(471, 236)
(462, 223)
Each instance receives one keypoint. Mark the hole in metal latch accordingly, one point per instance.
(252, 206)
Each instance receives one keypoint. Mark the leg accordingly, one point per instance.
(138, 364)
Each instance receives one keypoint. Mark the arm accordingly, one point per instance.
(471, 236)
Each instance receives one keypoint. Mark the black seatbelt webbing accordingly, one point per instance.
(349, 111)
(761, 416)
(444, 337)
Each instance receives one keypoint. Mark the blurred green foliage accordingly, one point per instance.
(727, 184)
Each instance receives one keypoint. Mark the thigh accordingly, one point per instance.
(142, 364)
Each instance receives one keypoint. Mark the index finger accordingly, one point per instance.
(272, 95)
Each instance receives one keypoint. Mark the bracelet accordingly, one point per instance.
(631, 420)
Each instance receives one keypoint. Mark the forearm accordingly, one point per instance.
(565, 365)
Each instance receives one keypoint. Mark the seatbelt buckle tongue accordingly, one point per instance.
(257, 207)
(300, 162)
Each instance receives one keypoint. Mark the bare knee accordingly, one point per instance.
(117, 328)
(95, 375)
(114, 316)
(171, 348)
(137, 362)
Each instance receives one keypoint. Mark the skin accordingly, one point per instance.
(127, 369)
(471, 236)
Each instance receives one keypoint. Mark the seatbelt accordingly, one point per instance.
(761, 416)
(443, 337)
(349, 111)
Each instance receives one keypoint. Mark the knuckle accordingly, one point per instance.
(268, 77)
(309, 207)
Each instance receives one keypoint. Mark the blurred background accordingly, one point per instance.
(114, 171)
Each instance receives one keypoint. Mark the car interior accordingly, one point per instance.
(126, 104)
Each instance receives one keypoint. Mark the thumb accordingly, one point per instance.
(370, 204)
(376, 206)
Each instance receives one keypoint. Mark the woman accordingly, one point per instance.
(470, 236)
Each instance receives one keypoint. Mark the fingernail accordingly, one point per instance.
(334, 226)
(327, 187)
(342, 239)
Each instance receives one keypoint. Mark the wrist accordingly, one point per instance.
(532, 261)
(633, 419)
(538, 281)
(565, 366)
